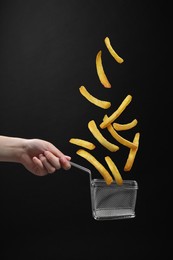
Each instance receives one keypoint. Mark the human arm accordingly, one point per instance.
(38, 156)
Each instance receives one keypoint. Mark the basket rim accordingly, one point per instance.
(127, 184)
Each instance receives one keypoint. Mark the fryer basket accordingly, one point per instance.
(113, 201)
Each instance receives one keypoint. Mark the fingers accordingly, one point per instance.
(48, 163)
(39, 168)
(42, 166)
(63, 161)
(68, 157)
(52, 159)
(48, 166)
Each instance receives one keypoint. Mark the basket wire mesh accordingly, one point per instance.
(112, 201)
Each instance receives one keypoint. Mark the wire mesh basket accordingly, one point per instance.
(113, 201)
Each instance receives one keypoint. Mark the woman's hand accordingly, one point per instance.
(38, 156)
(41, 157)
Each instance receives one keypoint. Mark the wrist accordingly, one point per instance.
(11, 148)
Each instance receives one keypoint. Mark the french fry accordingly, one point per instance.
(118, 137)
(122, 127)
(102, 170)
(100, 71)
(117, 112)
(94, 100)
(101, 139)
(82, 143)
(108, 122)
(132, 153)
(112, 51)
(115, 172)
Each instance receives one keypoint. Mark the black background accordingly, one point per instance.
(47, 51)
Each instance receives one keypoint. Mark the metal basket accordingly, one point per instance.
(112, 201)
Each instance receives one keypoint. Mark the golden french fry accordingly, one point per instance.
(102, 170)
(94, 100)
(118, 137)
(97, 134)
(82, 143)
(113, 168)
(100, 71)
(132, 153)
(122, 127)
(112, 51)
(117, 113)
